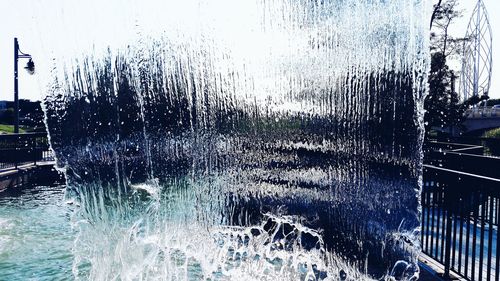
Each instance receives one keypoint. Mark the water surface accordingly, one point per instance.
(35, 235)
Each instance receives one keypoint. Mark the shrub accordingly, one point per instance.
(493, 134)
(494, 141)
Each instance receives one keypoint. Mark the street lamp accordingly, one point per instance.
(30, 67)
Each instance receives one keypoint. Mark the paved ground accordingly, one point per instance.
(426, 274)
(13, 177)
(431, 270)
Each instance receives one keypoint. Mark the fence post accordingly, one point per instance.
(16, 145)
(448, 234)
(34, 149)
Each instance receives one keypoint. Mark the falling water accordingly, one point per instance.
(239, 140)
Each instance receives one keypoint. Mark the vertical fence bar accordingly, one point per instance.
(467, 239)
(428, 206)
(34, 150)
(497, 262)
(433, 200)
(474, 237)
(454, 239)
(490, 238)
(16, 140)
(422, 226)
(460, 243)
(444, 224)
(438, 223)
(481, 241)
(447, 249)
(497, 201)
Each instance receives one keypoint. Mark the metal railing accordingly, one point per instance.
(22, 149)
(470, 145)
(460, 219)
(483, 112)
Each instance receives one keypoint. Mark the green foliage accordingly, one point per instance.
(493, 144)
(493, 134)
(30, 113)
(442, 104)
(7, 116)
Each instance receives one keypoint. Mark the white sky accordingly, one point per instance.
(20, 18)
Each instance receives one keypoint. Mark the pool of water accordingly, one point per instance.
(160, 237)
(35, 235)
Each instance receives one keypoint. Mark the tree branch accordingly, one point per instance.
(436, 8)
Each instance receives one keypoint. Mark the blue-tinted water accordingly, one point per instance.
(35, 235)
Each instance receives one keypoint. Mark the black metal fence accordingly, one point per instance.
(21, 149)
(460, 219)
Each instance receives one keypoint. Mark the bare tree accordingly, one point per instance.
(444, 15)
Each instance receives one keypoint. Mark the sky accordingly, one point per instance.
(19, 19)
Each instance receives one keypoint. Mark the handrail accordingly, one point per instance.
(461, 138)
(460, 153)
(455, 172)
(26, 148)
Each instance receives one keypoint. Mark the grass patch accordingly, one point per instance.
(9, 129)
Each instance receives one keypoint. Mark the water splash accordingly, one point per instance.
(195, 119)
(178, 248)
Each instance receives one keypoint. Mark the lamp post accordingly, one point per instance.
(30, 67)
